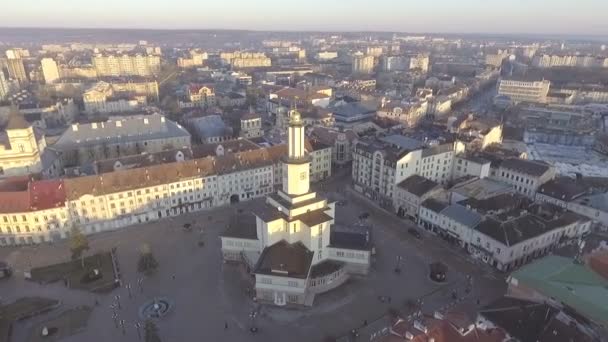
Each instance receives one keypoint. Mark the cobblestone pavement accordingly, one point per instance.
(209, 294)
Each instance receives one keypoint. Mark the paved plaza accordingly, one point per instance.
(209, 295)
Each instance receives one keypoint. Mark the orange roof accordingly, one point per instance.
(599, 263)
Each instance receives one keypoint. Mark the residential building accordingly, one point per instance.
(320, 160)
(210, 129)
(294, 250)
(196, 58)
(4, 86)
(470, 165)
(126, 64)
(104, 98)
(119, 136)
(552, 61)
(326, 55)
(577, 196)
(420, 62)
(414, 190)
(478, 133)
(362, 64)
(16, 70)
(17, 53)
(199, 95)
(477, 188)
(251, 126)
(50, 70)
(341, 141)
(243, 60)
(408, 114)
(523, 90)
(496, 59)
(526, 176)
(505, 231)
(379, 165)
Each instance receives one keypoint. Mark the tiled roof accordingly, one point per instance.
(565, 189)
(417, 185)
(172, 172)
(530, 167)
(40, 195)
(285, 260)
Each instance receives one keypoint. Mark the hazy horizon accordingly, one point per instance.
(441, 16)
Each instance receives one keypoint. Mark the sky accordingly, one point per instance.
(587, 17)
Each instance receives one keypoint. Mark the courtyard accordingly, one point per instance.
(211, 299)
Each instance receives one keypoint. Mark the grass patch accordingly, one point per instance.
(66, 324)
(26, 307)
(73, 272)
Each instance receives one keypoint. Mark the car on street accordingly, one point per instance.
(414, 232)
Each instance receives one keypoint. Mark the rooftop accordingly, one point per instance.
(417, 185)
(530, 167)
(573, 284)
(120, 130)
(285, 259)
(564, 188)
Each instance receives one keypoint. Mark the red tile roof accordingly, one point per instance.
(47, 194)
(39, 195)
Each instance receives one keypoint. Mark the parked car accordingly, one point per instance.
(415, 233)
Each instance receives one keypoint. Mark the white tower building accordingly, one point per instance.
(293, 254)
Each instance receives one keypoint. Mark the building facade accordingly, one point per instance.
(524, 90)
(50, 70)
(126, 65)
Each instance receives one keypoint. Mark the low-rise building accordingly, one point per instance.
(251, 126)
(119, 136)
(526, 176)
(524, 90)
(563, 283)
(379, 165)
(341, 141)
(199, 95)
(414, 190)
(470, 165)
(211, 129)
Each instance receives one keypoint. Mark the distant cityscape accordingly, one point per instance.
(303, 186)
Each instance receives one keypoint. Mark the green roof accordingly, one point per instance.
(575, 285)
